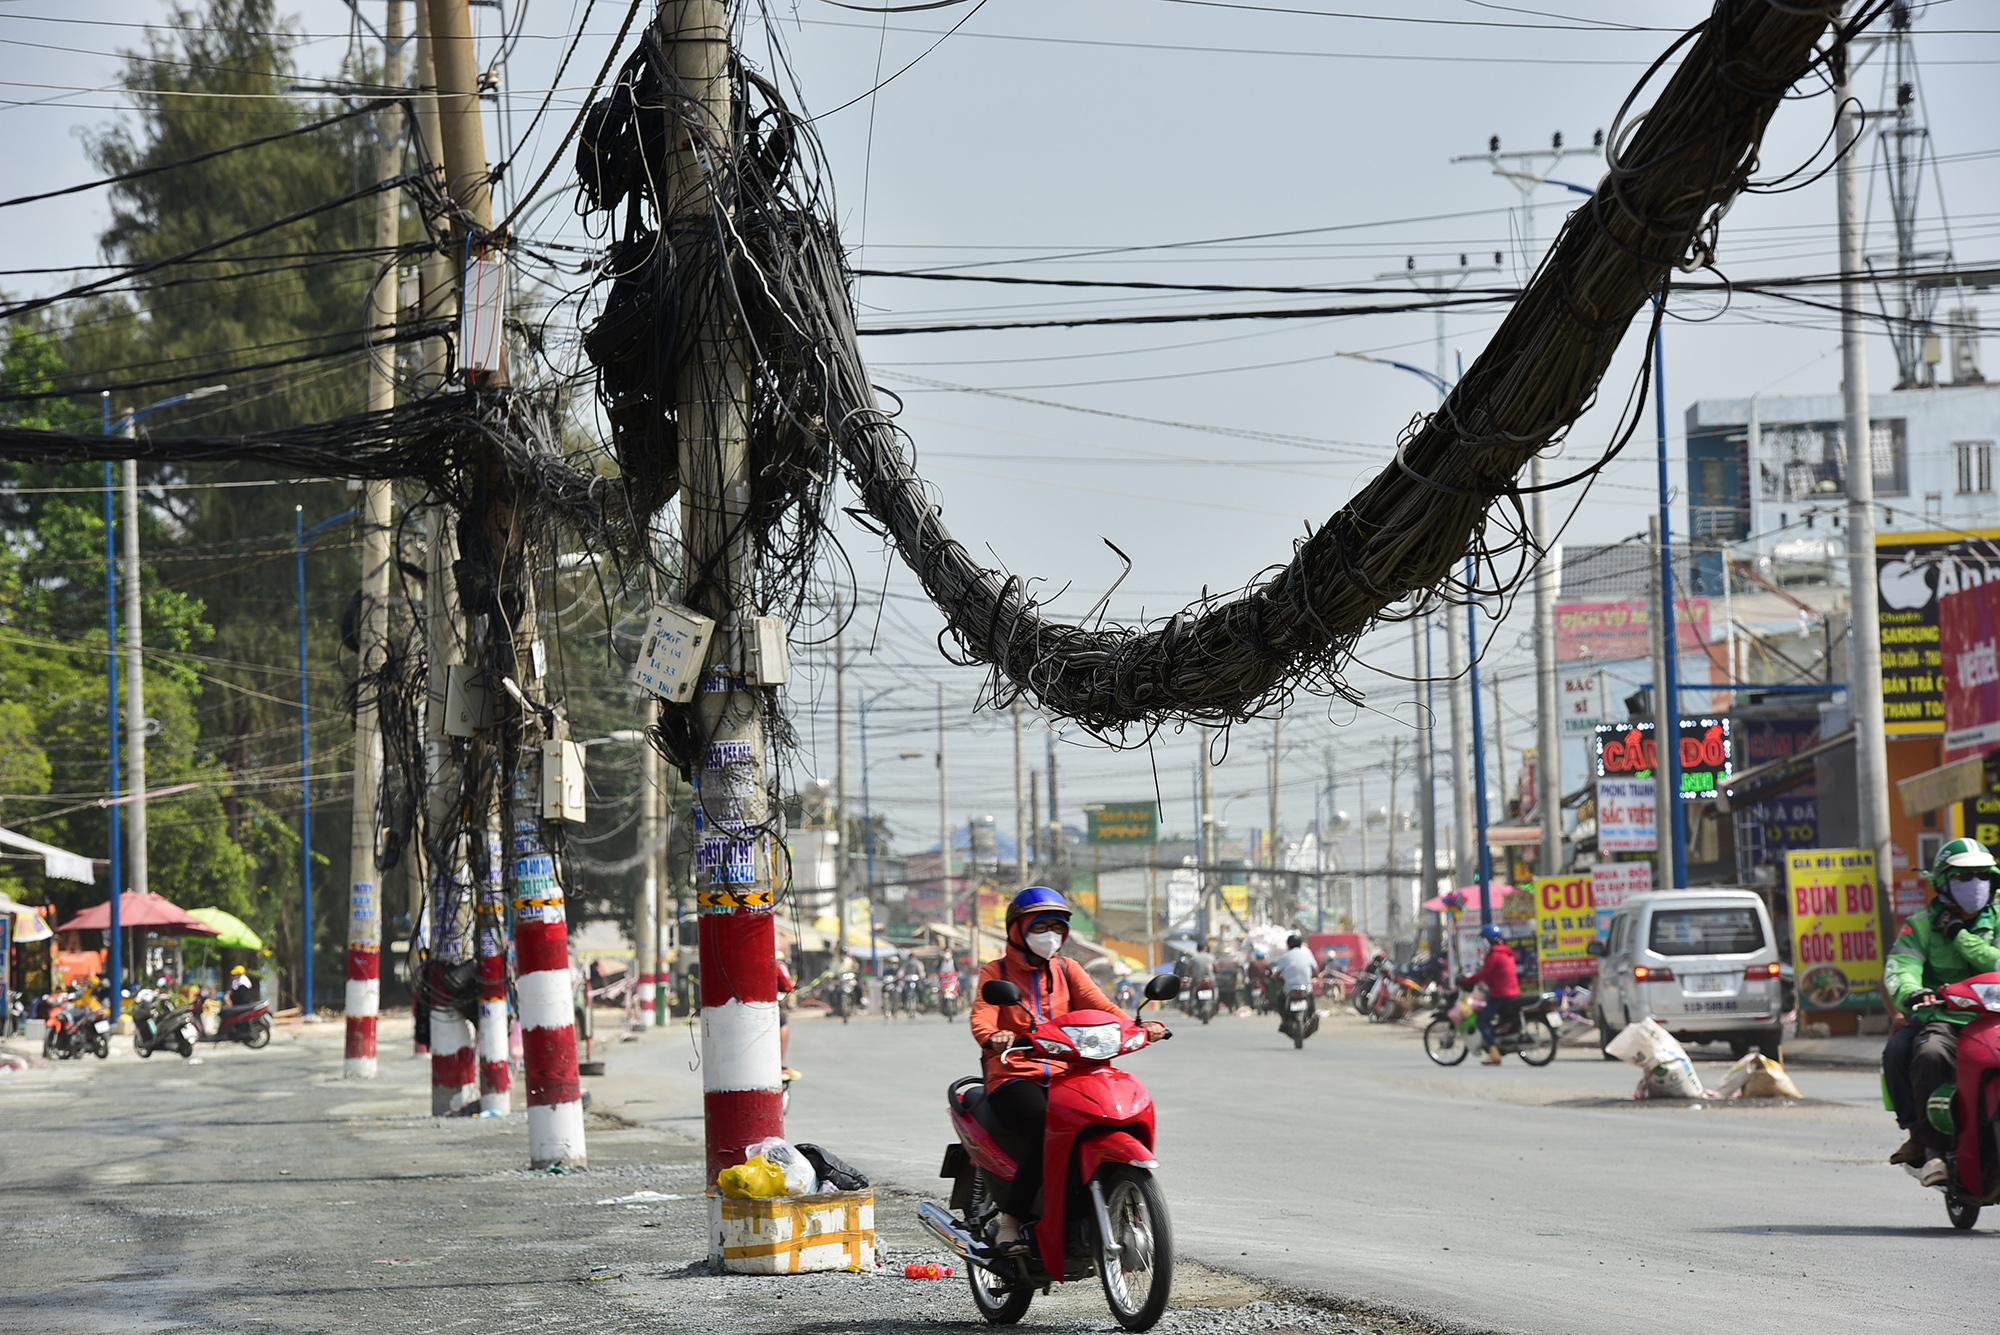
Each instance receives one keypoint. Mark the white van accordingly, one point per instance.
(1704, 963)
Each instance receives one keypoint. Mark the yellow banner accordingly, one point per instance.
(1566, 922)
(1836, 930)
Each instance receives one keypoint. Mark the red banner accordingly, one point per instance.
(1968, 628)
(1615, 632)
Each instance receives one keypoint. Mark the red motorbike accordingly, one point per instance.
(1970, 1108)
(947, 995)
(1101, 1210)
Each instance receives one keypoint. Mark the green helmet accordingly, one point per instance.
(1961, 855)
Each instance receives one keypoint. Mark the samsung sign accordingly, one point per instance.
(1628, 751)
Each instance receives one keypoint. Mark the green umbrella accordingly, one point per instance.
(236, 934)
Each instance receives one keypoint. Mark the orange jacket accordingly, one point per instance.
(1047, 993)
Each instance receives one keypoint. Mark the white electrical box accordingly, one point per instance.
(675, 650)
(771, 661)
(468, 708)
(562, 782)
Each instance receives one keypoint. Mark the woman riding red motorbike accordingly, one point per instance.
(1016, 1080)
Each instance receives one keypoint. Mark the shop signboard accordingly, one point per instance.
(1625, 819)
(1968, 627)
(1621, 631)
(1627, 750)
(1123, 822)
(1836, 928)
(1913, 573)
(1612, 883)
(1582, 709)
(1566, 924)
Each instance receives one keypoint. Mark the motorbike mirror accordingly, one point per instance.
(1000, 992)
(1594, 948)
(1163, 987)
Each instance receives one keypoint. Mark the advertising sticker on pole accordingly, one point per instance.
(1625, 821)
(1836, 934)
(1612, 883)
(1581, 712)
(1566, 924)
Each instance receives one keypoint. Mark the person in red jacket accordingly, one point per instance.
(1017, 1081)
(1503, 991)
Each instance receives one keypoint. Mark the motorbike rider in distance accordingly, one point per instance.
(1948, 942)
(1017, 1082)
(1503, 991)
(1291, 971)
(242, 988)
(1200, 972)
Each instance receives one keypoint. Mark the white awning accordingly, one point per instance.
(55, 861)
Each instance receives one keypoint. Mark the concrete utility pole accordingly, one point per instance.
(1272, 844)
(1392, 892)
(1666, 727)
(742, 1092)
(645, 917)
(527, 867)
(437, 298)
(1420, 672)
(1548, 722)
(364, 902)
(1034, 821)
(1871, 748)
(944, 824)
(842, 863)
(1052, 852)
(454, 1079)
(1500, 744)
(1205, 856)
(135, 684)
(1464, 860)
(1020, 810)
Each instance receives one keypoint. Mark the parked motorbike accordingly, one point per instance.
(159, 1022)
(1301, 1018)
(73, 1025)
(1454, 1031)
(248, 1023)
(1102, 1211)
(1969, 1108)
(947, 995)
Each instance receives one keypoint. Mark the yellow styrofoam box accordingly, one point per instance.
(793, 1235)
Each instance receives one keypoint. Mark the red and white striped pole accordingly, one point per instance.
(496, 1080)
(645, 935)
(541, 963)
(454, 1076)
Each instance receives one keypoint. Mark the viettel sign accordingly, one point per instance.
(1628, 750)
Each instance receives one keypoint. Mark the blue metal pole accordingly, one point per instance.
(305, 784)
(117, 955)
(1667, 713)
(1478, 753)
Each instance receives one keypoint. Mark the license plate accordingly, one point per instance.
(1298, 1005)
(103, 1025)
(188, 1032)
(1705, 982)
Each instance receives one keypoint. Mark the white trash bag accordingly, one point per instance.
(800, 1179)
(1669, 1073)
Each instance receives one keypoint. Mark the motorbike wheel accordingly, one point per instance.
(1001, 1299)
(141, 1046)
(1138, 1271)
(1538, 1041)
(1298, 1035)
(48, 1042)
(100, 1046)
(185, 1048)
(260, 1033)
(1443, 1043)
(1961, 1210)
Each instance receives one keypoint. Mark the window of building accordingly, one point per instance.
(1975, 466)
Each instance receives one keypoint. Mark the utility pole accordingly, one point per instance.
(1464, 859)
(512, 651)
(1020, 811)
(135, 688)
(1035, 817)
(1357, 905)
(1500, 744)
(843, 863)
(1548, 723)
(454, 1082)
(1053, 851)
(1392, 917)
(647, 917)
(1871, 751)
(1272, 845)
(944, 824)
(364, 902)
(1206, 857)
(1666, 729)
(1483, 851)
(1420, 673)
(742, 1092)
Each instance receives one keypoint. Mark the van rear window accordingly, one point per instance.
(1724, 931)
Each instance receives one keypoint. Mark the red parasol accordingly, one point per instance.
(147, 910)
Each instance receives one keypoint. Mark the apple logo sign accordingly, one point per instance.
(1905, 585)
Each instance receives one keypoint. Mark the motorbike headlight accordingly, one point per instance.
(1099, 1042)
(1989, 995)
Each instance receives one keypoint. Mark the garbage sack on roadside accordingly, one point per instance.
(801, 1178)
(1669, 1074)
(834, 1173)
(753, 1178)
(1640, 1043)
(1758, 1077)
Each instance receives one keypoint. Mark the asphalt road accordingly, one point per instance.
(1496, 1199)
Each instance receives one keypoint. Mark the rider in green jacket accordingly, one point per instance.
(1952, 940)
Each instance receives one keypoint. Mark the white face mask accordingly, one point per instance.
(1045, 944)
(1969, 894)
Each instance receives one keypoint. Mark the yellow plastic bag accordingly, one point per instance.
(751, 1179)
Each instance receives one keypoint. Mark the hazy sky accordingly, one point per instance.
(1176, 141)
